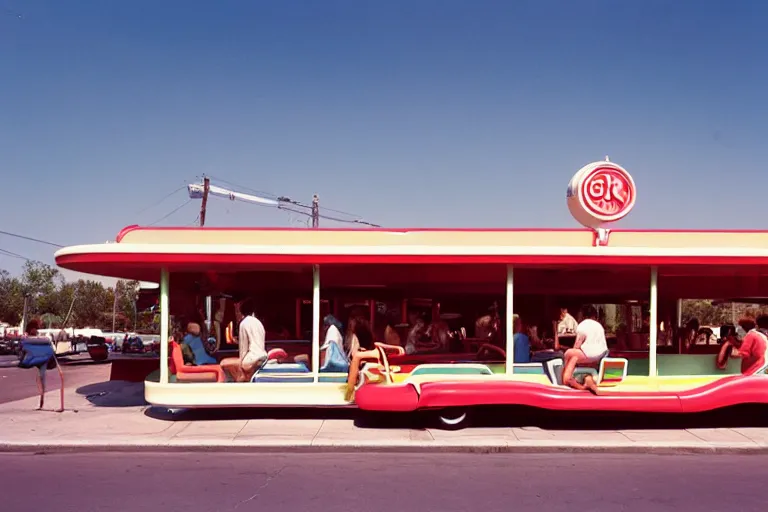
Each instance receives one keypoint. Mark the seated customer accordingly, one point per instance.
(522, 343)
(545, 348)
(750, 348)
(391, 337)
(362, 348)
(566, 324)
(251, 340)
(332, 355)
(194, 341)
(590, 347)
(333, 329)
(416, 334)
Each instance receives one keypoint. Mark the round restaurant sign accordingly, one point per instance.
(600, 193)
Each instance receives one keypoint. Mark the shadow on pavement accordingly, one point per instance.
(250, 413)
(81, 362)
(114, 394)
(528, 417)
(521, 417)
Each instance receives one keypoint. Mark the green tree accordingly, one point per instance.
(91, 302)
(11, 298)
(40, 283)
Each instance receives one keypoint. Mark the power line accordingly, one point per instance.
(326, 217)
(283, 203)
(308, 214)
(6, 252)
(172, 212)
(14, 255)
(340, 212)
(162, 199)
(30, 239)
(280, 198)
(286, 208)
(259, 192)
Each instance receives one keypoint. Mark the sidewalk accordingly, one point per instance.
(114, 418)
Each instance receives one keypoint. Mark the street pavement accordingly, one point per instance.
(17, 384)
(114, 416)
(376, 482)
(103, 415)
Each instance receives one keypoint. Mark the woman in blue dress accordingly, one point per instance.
(194, 341)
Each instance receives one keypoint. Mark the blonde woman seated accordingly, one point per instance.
(251, 341)
(332, 349)
(361, 348)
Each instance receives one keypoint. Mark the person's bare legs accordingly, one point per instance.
(354, 369)
(589, 384)
(61, 393)
(572, 357)
(41, 389)
(233, 367)
(248, 370)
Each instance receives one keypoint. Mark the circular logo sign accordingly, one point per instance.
(600, 193)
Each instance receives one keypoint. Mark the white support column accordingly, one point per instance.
(679, 313)
(510, 348)
(316, 323)
(208, 315)
(654, 327)
(165, 316)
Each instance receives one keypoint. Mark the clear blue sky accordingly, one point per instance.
(409, 113)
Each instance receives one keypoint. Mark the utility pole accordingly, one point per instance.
(206, 190)
(208, 298)
(23, 326)
(315, 212)
(114, 306)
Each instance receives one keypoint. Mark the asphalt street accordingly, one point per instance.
(17, 383)
(383, 482)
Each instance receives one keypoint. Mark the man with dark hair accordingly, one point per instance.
(590, 347)
(750, 348)
(251, 341)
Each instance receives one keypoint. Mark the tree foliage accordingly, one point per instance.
(87, 303)
(709, 313)
(57, 303)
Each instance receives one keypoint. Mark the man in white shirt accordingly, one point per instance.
(590, 347)
(251, 342)
(567, 324)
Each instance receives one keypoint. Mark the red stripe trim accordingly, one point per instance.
(189, 259)
(128, 229)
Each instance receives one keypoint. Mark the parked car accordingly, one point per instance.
(141, 343)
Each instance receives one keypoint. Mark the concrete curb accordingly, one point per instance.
(527, 448)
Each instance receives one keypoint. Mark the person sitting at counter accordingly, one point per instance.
(545, 347)
(689, 334)
(590, 347)
(522, 343)
(332, 355)
(418, 339)
(362, 348)
(567, 324)
(252, 343)
(750, 348)
(194, 341)
(333, 328)
(487, 326)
